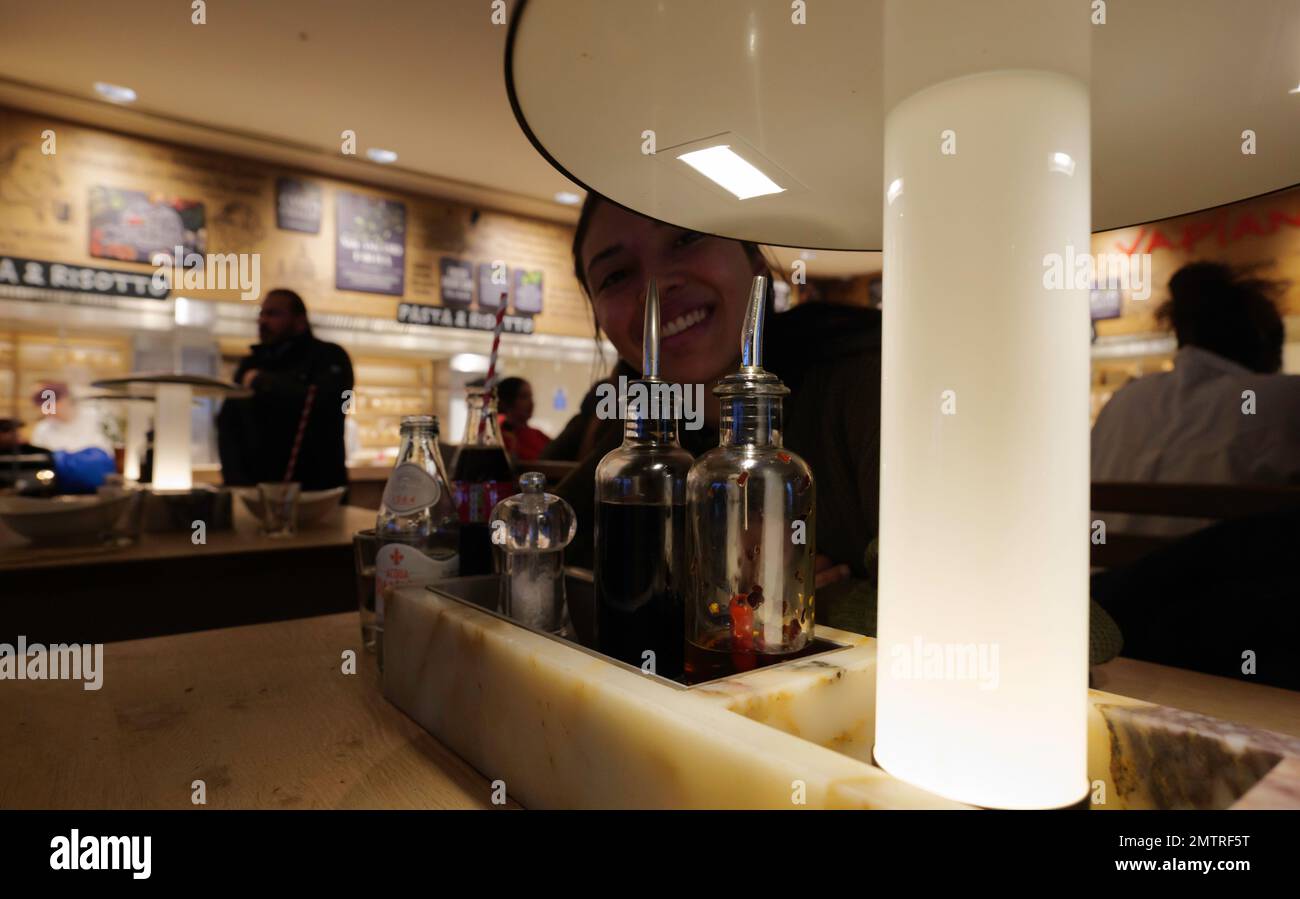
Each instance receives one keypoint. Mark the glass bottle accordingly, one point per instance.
(481, 476)
(750, 512)
(417, 529)
(530, 530)
(640, 535)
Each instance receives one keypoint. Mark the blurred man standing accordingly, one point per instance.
(255, 436)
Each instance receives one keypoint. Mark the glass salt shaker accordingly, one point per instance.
(530, 530)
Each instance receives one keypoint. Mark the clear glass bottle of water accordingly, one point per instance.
(417, 528)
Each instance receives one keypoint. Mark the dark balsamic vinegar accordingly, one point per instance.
(639, 570)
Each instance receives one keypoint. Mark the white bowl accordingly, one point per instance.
(62, 517)
(315, 507)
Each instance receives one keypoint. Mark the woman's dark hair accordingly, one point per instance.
(1227, 311)
(752, 250)
(508, 391)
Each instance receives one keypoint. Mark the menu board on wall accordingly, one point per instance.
(371, 252)
(297, 205)
(528, 292)
(133, 226)
(456, 279)
(493, 281)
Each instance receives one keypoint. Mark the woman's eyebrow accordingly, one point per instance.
(604, 254)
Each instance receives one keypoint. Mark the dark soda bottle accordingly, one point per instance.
(481, 476)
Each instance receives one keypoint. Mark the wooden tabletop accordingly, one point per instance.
(1257, 705)
(17, 553)
(262, 714)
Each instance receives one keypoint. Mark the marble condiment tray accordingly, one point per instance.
(564, 727)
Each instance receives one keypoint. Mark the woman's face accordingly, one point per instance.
(703, 290)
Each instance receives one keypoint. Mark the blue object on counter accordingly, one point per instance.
(82, 471)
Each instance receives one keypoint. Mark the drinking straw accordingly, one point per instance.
(490, 382)
(302, 426)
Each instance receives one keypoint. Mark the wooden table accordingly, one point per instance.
(166, 584)
(1258, 705)
(262, 714)
(265, 717)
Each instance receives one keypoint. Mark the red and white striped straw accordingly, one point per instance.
(302, 426)
(490, 382)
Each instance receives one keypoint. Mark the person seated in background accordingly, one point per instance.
(1223, 415)
(256, 435)
(11, 442)
(515, 405)
(19, 460)
(64, 424)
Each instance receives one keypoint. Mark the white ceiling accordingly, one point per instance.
(282, 79)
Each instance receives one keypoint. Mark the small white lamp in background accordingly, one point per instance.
(137, 428)
(172, 456)
(173, 394)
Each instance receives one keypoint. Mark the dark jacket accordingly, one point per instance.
(829, 357)
(255, 435)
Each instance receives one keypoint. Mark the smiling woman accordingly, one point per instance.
(829, 357)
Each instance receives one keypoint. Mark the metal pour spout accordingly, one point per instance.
(751, 336)
(650, 341)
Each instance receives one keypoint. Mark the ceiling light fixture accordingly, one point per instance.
(732, 172)
(114, 93)
(469, 362)
(568, 198)
(381, 156)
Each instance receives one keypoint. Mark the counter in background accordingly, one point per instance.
(166, 584)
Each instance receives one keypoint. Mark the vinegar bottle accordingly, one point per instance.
(640, 535)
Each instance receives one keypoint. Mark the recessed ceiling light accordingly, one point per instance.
(469, 362)
(114, 93)
(568, 198)
(732, 172)
(1061, 162)
(381, 156)
(1294, 90)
